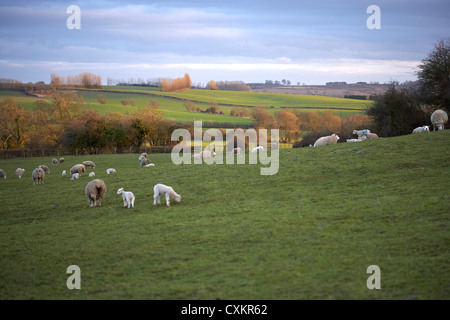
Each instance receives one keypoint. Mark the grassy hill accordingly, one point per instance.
(308, 232)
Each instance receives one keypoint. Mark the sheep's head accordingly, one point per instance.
(426, 128)
(120, 191)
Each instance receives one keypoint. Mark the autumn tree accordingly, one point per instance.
(14, 124)
(288, 124)
(212, 85)
(262, 119)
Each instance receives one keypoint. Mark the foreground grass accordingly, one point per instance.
(308, 232)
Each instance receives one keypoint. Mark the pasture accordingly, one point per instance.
(308, 232)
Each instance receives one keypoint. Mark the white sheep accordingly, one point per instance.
(144, 162)
(95, 191)
(197, 156)
(438, 119)
(111, 170)
(128, 198)
(258, 149)
(89, 164)
(92, 174)
(236, 151)
(421, 129)
(19, 172)
(75, 176)
(149, 165)
(78, 168)
(38, 176)
(371, 136)
(63, 173)
(333, 139)
(166, 191)
(45, 168)
(2, 174)
(360, 133)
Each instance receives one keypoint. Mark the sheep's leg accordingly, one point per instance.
(167, 199)
(132, 203)
(124, 203)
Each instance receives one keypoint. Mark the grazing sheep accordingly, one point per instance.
(61, 160)
(166, 191)
(149, 165)
(95, 191)
(371, 136)
(2, 174)
(128, 198)
(110, 170)
(92, 174)
(45, 168)
(360, 133)
(421, 129)
(54, 161)
(38, 175)
(236, 151)
(144, 162)
(333, 139)
(438, 119)
(89, 164)
(142, 156)
(258, 149)
(208, 154)
(63, 173)
(75, 176)
(78, 168)
(19, 172)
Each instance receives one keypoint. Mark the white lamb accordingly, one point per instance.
(128, 198)
(19, 172)
(421, 129)
(149, 165)
(63, 173)
(360, 133)
(258, 149)
(92, 174)
(110, 170)
(75, 176)
(236, 151)
(333, 139)
(438, 119)
(166, 191)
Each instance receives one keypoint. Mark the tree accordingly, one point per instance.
(287, 123)
(262, 119)
(434, 75)
(212, 85)
(14, 124)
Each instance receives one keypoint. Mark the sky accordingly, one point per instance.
(311, 42)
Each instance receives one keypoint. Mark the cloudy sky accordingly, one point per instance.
(309, 42)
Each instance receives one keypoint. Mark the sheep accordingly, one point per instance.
(149, 165)
(163, 190)
(142, 156)
(2, 174)
(197, 156)
(92, 174)
(75, 176)
(110, 170)
(54, 161)
(438, 119)
(78, 168)
(360, 133)
(236, 151)
(38, 175)
(61, 160)
(145, 162)
(45, 168)
(128, 198)
(208, 154)
(95, 191)
(371, 136)
(333, 139)
(260, 148)
(421, 129)
(89, 164)
(19, 172)
(63, 173)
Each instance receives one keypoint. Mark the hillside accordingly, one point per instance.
(308, 232)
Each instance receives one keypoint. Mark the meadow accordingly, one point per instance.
(308, 232)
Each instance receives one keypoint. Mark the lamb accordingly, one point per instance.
(258, 149)
(149, 165)
(142, 156)
(421, 129)
(236, 151)
(61, 160)
(63, 173)
(438, 119)
(208, 154)
(333, 139)
(19, 172)
(2, 174)
(45, 168)
(371, 136)
(78, 168)
(360, 133)
(54, 161)
(95, 191)
(89, 164)
(110, 170)
(163, 190)
(145, 162)
(128, 198)
(197, 156)
(38, 175)
(92, 174)
(75, 176)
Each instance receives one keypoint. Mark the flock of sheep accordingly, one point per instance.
(438, 119)
(96, 189)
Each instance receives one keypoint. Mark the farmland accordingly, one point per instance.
(308, 232)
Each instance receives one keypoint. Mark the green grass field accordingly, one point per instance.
(308, 232)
